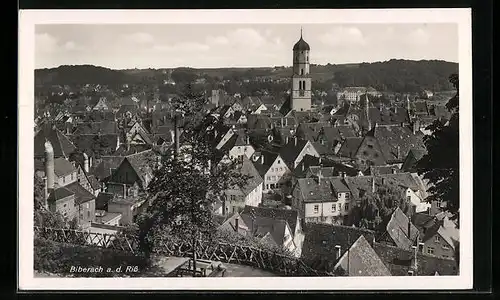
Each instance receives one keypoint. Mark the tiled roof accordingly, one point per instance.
(350, 147)
(63, 167)
(323, 190)
(320, 241)
(398, 227)
(262, 226)
(288, 215)
(265, 156)
(400, 261)
(60, 193)
(102, 127)
(81, 194)
(384, 170)
(308, 161)
(141, 162)
(62, 146)
(362, 260)
(94, 183)
(87, 143)
(247, 168)
(392, 137)
(103, 169)
(291, 151)
(133, 148)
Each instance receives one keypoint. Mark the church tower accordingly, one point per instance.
(301, 80)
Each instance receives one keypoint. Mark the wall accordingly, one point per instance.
(86, 213)
(416, 199)
(67, 179)
(65, 206)
(125, 209)
(289, 242)
(239, 151)
(125, 174)
(226, 137)
(84, 182)
(440, 247)
(277, 174)
(254, 198)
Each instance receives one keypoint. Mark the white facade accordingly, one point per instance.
(239, 151)
(276, 175)
(415, 197)
(308, 150)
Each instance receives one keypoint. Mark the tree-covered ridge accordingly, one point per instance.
(391, 76)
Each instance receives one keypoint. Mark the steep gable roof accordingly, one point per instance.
(350, 147)
(63, 167)
(291, 151)
(81, 194)
(247, 169)
(397, 228)
(59, 194)
(61, 144)
(362, 260)
(106, 166)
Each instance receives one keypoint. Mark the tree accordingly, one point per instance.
(441, 163)
(188, 184)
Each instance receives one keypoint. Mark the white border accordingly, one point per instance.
(27, 21)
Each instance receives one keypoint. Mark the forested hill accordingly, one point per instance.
(79, 75)
(399, 75)
(393, 75)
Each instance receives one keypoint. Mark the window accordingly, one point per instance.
(64, 179)
(346, 207)
(436, 239)
(88, 214)
(347, 196)
(279, 161)
(430, 250)
(334, 207)
(339, 195)
(370, 146)
(233, 198)
(301, 71)
(445, 256)
(410, 273)
(408, 198)
(65, 204)
(267, 186)
(316, 209)
(446, 247)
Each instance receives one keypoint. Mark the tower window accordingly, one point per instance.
(301, 71)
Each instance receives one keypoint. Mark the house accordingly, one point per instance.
(94, 128)
(411, 159)
(101, 105)
(128, 206)
(325, 244)
(105, 166)
(426, 94)
(403, 262)
(267, 230)
(436, 239)
(248, 193)
(351, 94)
(135, 169)
(361, 260)
(108, 218)
(238, 145)
(399, 231)
(310, 165)
(272, 169)
(294, 151)
(137, 134)
(322, 199)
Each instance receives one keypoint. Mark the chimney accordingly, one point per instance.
(45, 192)
(320, 176)
(124, 190)
(236, 224)
(337, 251)
(49, 165)
(262, 158)
(303, 167)
(319, 161)
(373, 184)
(282, 123)
(86, 165)
(248, 140)
(409, 228)
(343, 174)
(393, 170)
(295, 140)
(399, 152)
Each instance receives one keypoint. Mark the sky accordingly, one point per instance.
(125, 46)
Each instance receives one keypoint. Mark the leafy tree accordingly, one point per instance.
(441, 163)
(188, 184)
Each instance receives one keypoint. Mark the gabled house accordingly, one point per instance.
(248, 193)
(137, 134)
(361, 260)
(325, 244)
(101, 105)
(272, 169)
(267, 230)
(400, 232)
(436, 239)
(414, 189)
(238, 145)
(322, 199)
(135, 169)
(293, 152)
(62, 145)
(413, 156)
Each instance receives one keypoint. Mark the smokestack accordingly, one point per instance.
(373, 184)
(236, 224)
(337, 251)
(262, 158)
(86, 166)
(49, 165)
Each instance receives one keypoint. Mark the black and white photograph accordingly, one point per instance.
(312, 146)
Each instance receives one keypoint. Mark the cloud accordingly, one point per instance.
(45, 43)
(343, 36)
(418, 37)
(182, 47)
(246, 37)
(217, 40)
(71, 46)
(139, 38)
